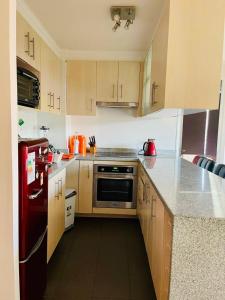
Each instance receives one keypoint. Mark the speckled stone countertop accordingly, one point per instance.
(186, 189)
(56, 168)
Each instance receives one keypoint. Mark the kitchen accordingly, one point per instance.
(109, 86)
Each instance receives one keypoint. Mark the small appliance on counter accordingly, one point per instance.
(149, 148)
(28, 85)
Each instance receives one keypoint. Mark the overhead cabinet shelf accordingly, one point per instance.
(187, 52)
(109, 83)
(34, 51)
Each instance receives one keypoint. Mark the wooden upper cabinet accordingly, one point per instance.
(51, 81)
(107, 81)
(187, 53)
(28, 43)
(81, 87)
(129, 81)
(159, 63)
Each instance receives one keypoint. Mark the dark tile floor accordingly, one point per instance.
(100, 259)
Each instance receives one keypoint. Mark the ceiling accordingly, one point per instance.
(86, 25)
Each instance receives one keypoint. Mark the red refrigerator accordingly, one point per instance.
(33, 206)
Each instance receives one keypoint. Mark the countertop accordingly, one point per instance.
(186, 189)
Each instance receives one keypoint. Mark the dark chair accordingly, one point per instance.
(210, 165)
(217, 168)
(222, 172)
(200, 161)
(196, 159)
(204, 162)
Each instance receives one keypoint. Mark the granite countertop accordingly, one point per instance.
(186, 189)
(56, 168)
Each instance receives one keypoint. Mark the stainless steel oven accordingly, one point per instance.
(115, 186)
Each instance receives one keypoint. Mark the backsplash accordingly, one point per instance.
(33, 120)
(120, 128)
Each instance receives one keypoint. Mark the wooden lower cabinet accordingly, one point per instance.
(85, 187)
(157, 235)
(156, 225)
(56, 211)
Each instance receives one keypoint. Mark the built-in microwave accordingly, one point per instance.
(28, 85)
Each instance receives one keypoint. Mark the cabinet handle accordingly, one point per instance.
(60, 190)
(33, 48)
(113, 91)
(88, 171)
(53, 97)
(91, 105)
(153, 201)
(57, 192)
(28, 43)
(154, 87)
(59, 107)
(50, 100)
(121, 91)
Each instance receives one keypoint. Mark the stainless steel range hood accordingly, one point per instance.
(117, 104)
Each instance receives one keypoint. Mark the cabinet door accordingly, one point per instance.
(85, 186)
(107, 81)
(35, 50)
(129, 81)
(27, 43)
(81, 88)
(61, 206)
(157, 243)
(57, 79)
(149, 192)
(167, 251)
(47, 79)
(159, 62)
(141, 191)
(53, 190)
(22, 38)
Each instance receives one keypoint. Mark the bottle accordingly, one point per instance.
(76, 145)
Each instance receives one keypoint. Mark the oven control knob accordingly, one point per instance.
(129, 170)
(102, 169)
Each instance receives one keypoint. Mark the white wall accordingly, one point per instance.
(9, 245)
(33, 120)
(120, 128)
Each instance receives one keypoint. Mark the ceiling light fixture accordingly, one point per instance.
(127, 25)
(122, 13)
(118, 22)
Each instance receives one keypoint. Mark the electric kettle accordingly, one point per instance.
(149, 148)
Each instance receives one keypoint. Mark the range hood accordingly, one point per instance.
(117, 104)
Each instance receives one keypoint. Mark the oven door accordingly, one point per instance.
(116, 191)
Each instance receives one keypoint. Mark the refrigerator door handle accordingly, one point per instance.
(35, 248)
(34, 196)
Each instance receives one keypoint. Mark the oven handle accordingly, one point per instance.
(114, 177)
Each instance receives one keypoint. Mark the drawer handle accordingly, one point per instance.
(153, 200)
